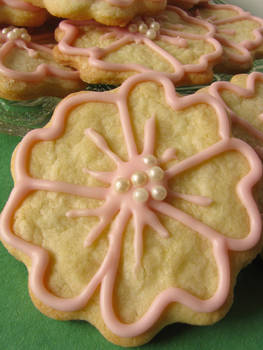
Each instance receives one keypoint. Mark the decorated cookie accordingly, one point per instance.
(173, 43)
(28, 70)
(109, 12)
(21, 13)
(243, 99)
(133, 209)
(240, 34)
(186, 4)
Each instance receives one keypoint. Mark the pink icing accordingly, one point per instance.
(123, 37)
(21, 5)
(42, 71)
(143, 213)
(245, 46)
(250, 91)
(127, 3)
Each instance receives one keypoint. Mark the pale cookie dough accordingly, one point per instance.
(109, 12)
(28, 70)
(240, 34)
(173, 43)
(243, 99)
(133, 209)
(21, 13)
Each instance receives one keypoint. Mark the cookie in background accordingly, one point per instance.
(28, 70)
(174, 43)
(109, 12)
(21, 13)
(239, 33)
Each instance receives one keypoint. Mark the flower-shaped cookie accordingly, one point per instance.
(173, 43)
(109, 12)
(126, 206)
(28, 70)
(238, 31)
(243, 99)
(21, 13)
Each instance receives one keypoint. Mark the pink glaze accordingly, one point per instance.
(21, 5)
(127, 3)
(123, 37)
(123, 206)
(42, 71)
(244, 47)
(250, 91)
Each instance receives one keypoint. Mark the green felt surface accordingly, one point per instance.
(22, 326)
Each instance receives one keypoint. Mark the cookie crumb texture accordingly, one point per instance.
(133, 229)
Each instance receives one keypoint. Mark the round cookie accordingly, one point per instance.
(21, 13)
(108, 12)
(133, 209)
(173, 43)
(28, 70)
(239, 33)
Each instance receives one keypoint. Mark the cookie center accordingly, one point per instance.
(148, 26)
(144, 183)
(12, 33)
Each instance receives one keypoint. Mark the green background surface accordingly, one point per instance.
(22, 326)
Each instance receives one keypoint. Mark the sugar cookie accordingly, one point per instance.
(28, 70)
(109, 12)
(173, 43)
(240, 34)
(20, 13)
(133, 209)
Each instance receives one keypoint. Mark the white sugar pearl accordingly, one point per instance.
(25, 37)
(159, 193)
(150, 160)
(133, 28)
(156, 173)
(139, 178)
(155, 26)
(6, 30)
(143, 28)
(122, 185)
(151, 34)
(11, 35)
(140, 195)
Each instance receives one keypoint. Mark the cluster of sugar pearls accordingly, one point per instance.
(140, 178)
(149, 27)
(16, 33)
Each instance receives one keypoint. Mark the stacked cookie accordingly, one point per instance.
(137, 207)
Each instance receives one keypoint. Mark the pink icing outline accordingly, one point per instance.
(95, 55)
(42, 71)
(246, 45)
(21, 5)
(107, 272)
(247, 92)
(127, 3)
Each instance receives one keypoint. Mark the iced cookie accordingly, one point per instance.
(239, 33)
(28, 70)
(109, 12)
(186, 4)
(21, 13)
(173, 43)
(133, 209)
(243, 99)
